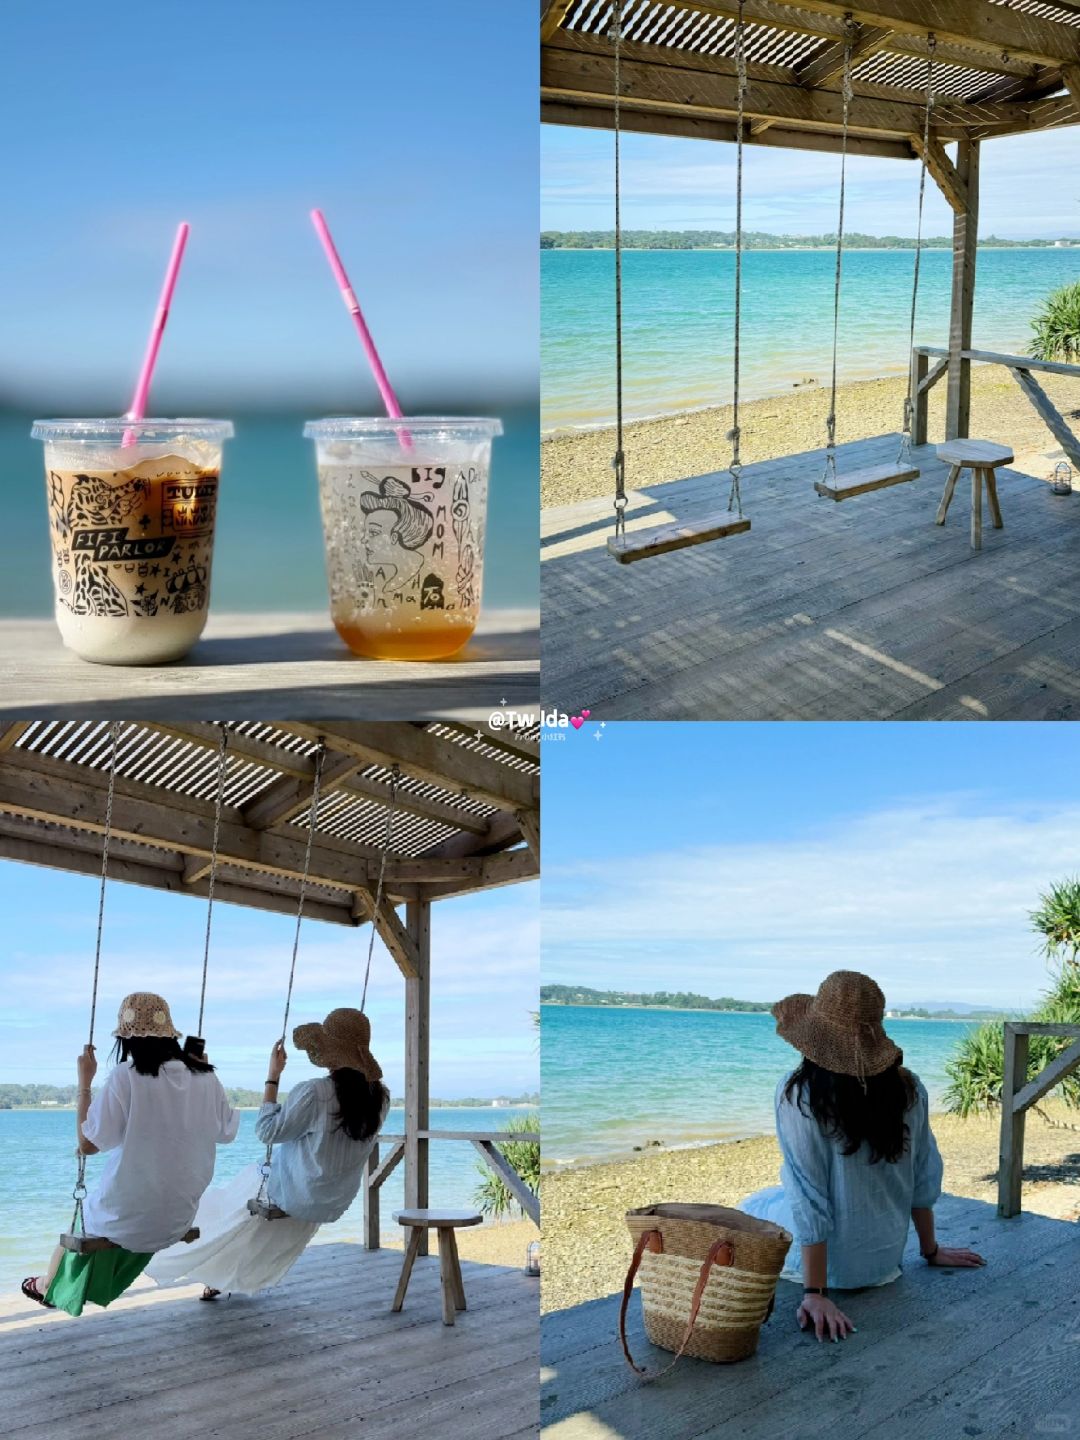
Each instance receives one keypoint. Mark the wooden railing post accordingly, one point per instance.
(417, 1061)
(965, 251)
(1011, 1156)
(372, 1229)
(920, 397)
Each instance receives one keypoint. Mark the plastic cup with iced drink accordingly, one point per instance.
(404, 504)
(132, 505)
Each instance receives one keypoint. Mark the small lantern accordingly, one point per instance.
(1061, 481)
(532, 1258)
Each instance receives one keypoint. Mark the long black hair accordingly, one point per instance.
(360, 1103)
(855, 1112)
(149, 1052)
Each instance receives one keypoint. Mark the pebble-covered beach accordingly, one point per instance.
(586, 1244)
(576, 465)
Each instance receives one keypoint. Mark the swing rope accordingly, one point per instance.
(829, 475)
(904, 455)
(223, 748)
(618, 463)
(79, 1193)
(735, 434)
(395, 780)
(320, 755)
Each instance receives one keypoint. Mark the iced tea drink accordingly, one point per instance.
(404, 505)
(132, 533)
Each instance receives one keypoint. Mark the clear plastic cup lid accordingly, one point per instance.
(344, 427)
(147, 432)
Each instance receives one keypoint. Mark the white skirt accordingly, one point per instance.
(235, 1251)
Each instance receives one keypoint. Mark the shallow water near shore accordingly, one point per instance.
(37, 1171)
(616, 1079)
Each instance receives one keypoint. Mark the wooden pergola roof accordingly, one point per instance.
(1001, 67)
(467, 816)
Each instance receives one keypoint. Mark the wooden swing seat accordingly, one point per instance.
(92, 1244)
(266, 1210)
(859, 482)
(659, 539)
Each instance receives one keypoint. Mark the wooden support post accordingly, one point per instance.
(372, 1239)
(965, 239)
(417, 1048)
(1011, 1156)
(920, 397)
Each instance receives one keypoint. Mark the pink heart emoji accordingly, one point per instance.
(576, 721)
(585, 714)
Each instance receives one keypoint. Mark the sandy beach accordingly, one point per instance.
(586, 1245)
(576, 465)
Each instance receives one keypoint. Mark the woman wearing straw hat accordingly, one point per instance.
(859, 1159)
(159, 1117)
(321, 1136)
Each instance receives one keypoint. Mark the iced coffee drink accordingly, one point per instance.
(404, 504)
(131, 521)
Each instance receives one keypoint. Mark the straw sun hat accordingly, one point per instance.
(341, 1042)
(144, 1014)
(840, 1027)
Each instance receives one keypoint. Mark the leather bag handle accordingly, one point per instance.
(720, 1253)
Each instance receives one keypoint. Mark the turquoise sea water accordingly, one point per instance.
(613, 1079)
(37, 1172)
(268, 552)
(678, 321)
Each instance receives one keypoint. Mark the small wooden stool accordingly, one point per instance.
(980, 457)
(444, 1223)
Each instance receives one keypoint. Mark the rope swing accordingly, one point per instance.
(659, 539)
(832, 485)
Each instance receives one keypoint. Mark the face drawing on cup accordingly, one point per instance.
(396, 529)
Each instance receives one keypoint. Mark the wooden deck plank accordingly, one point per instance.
(271, 667)
(913, 1337)
(734, 632)
(319, 1355)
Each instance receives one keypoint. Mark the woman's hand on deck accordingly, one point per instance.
(826, 1317)
(960, 1259)
(278, 1060)
(86, 1066)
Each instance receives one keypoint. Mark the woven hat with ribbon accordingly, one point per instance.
(708, 1280)
(840, 1027)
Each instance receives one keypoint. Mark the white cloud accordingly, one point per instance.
(932, 900)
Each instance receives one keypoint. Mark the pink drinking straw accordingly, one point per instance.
(386, 390)
(142, 386)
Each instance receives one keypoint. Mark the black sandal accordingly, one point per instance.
(209, 1294)
(30, 1290)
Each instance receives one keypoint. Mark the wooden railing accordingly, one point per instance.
(1018, 1094)
(485, 1142)
(925, 376)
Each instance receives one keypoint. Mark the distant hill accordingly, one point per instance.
(760, 240)
(32, 1097)
(686, 1000)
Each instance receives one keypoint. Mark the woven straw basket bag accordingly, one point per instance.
(708, 1280)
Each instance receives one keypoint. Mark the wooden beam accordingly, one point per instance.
(673, 89)
(11, 734)
(943, 171)
(382, 1172)
(592, 116)
(1011, 1149)
(417, 1060)
(434, 760)
(965, 252)
(526, 1198)
(394, 935)
(207, 736)
(1048, 413)
(509, 742)
(552, 14)
(1058, 1068)
(827, 63)
(487, 871)
(502, 833)
(1070, 74)
(530, 828)
(288, 797)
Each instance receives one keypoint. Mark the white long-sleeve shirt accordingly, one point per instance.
(316, 1169)
(159, 1132)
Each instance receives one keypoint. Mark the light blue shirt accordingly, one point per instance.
(863, 1211)
(316, 1169)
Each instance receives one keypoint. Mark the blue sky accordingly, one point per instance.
(484, 980)
(690, 184)
(413, 128)
(749, 860)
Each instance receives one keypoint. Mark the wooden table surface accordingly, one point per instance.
(272, 667)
